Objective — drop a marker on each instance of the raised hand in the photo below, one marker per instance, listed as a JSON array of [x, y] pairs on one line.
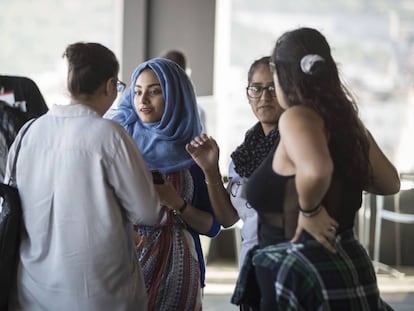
[[205, 152]]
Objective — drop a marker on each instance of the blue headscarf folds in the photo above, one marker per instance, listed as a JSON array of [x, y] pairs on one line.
[[162, 143]]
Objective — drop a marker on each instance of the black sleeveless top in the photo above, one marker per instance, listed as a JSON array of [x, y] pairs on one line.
[[275, 199], [266, 192], [266, 189]]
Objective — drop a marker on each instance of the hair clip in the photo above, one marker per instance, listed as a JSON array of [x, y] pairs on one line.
[[307, 62]]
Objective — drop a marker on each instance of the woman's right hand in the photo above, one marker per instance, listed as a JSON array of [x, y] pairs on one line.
[[204, 151]]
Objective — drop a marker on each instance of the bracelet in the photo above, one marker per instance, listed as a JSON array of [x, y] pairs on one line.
[[312, 212], [180, 210], [212, 183]]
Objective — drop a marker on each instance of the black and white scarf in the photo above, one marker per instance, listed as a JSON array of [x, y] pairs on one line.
[[256, 146]]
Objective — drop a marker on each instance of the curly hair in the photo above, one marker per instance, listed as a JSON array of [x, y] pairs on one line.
[[308, 76]]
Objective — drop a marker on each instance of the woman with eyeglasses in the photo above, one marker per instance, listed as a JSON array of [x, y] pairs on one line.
[[230, 204], [159, 111], [83, 185]]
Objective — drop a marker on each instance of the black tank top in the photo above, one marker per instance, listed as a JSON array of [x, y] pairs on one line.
[[266, 193], [275, 199], [265, 189]]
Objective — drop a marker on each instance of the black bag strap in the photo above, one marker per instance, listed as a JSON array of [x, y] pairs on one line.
[[12, 178]]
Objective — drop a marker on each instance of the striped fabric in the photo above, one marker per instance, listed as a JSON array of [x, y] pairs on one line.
[[171, 271], [169, 259], [308, 277]]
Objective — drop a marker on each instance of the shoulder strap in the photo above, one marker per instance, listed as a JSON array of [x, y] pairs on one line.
[[12, 178]]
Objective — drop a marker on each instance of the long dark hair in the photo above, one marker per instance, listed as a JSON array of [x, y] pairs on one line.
[[89, 65], [314, 81]]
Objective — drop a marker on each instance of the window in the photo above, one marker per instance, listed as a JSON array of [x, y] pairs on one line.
[[35, 34], [373, 42]]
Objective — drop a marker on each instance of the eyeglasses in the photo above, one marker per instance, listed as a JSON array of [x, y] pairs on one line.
[[120, 86], [256, 91]]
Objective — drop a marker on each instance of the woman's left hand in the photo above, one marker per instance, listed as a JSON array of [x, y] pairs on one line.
[[321, 227]]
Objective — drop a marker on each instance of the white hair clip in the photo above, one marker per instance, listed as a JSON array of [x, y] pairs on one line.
[[307, 61]]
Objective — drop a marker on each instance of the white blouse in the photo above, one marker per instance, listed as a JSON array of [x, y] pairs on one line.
[[248, 216], [83, 183]]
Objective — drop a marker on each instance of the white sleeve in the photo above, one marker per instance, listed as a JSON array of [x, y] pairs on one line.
[[132, 183]]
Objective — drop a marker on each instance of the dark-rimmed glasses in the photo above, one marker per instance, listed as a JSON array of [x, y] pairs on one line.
[[256, 91], [120, 86]]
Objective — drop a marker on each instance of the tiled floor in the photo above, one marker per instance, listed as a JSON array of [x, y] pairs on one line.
[[398, 291], [221, 277]]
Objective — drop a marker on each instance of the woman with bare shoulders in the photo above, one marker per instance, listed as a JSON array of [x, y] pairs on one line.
[[325, 159]]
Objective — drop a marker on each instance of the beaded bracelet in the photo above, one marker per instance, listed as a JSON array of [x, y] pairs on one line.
[[311, 212]]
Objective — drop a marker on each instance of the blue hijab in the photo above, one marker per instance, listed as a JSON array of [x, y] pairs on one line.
[[162, 143]]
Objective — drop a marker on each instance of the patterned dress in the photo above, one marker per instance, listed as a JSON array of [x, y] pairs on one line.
[[169, 259]]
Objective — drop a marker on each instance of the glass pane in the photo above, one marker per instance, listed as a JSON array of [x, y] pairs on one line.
[[35, 34], [372, 41]]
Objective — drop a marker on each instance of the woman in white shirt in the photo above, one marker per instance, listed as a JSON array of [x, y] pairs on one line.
[[83, 185], [231, 205]]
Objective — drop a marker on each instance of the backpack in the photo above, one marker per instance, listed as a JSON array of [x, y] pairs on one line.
[[11, 120]]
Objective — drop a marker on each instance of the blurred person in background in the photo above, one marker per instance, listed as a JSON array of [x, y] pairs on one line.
[[20, 101]]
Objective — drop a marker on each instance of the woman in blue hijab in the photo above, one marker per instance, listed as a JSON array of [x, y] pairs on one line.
[[159, 111]]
